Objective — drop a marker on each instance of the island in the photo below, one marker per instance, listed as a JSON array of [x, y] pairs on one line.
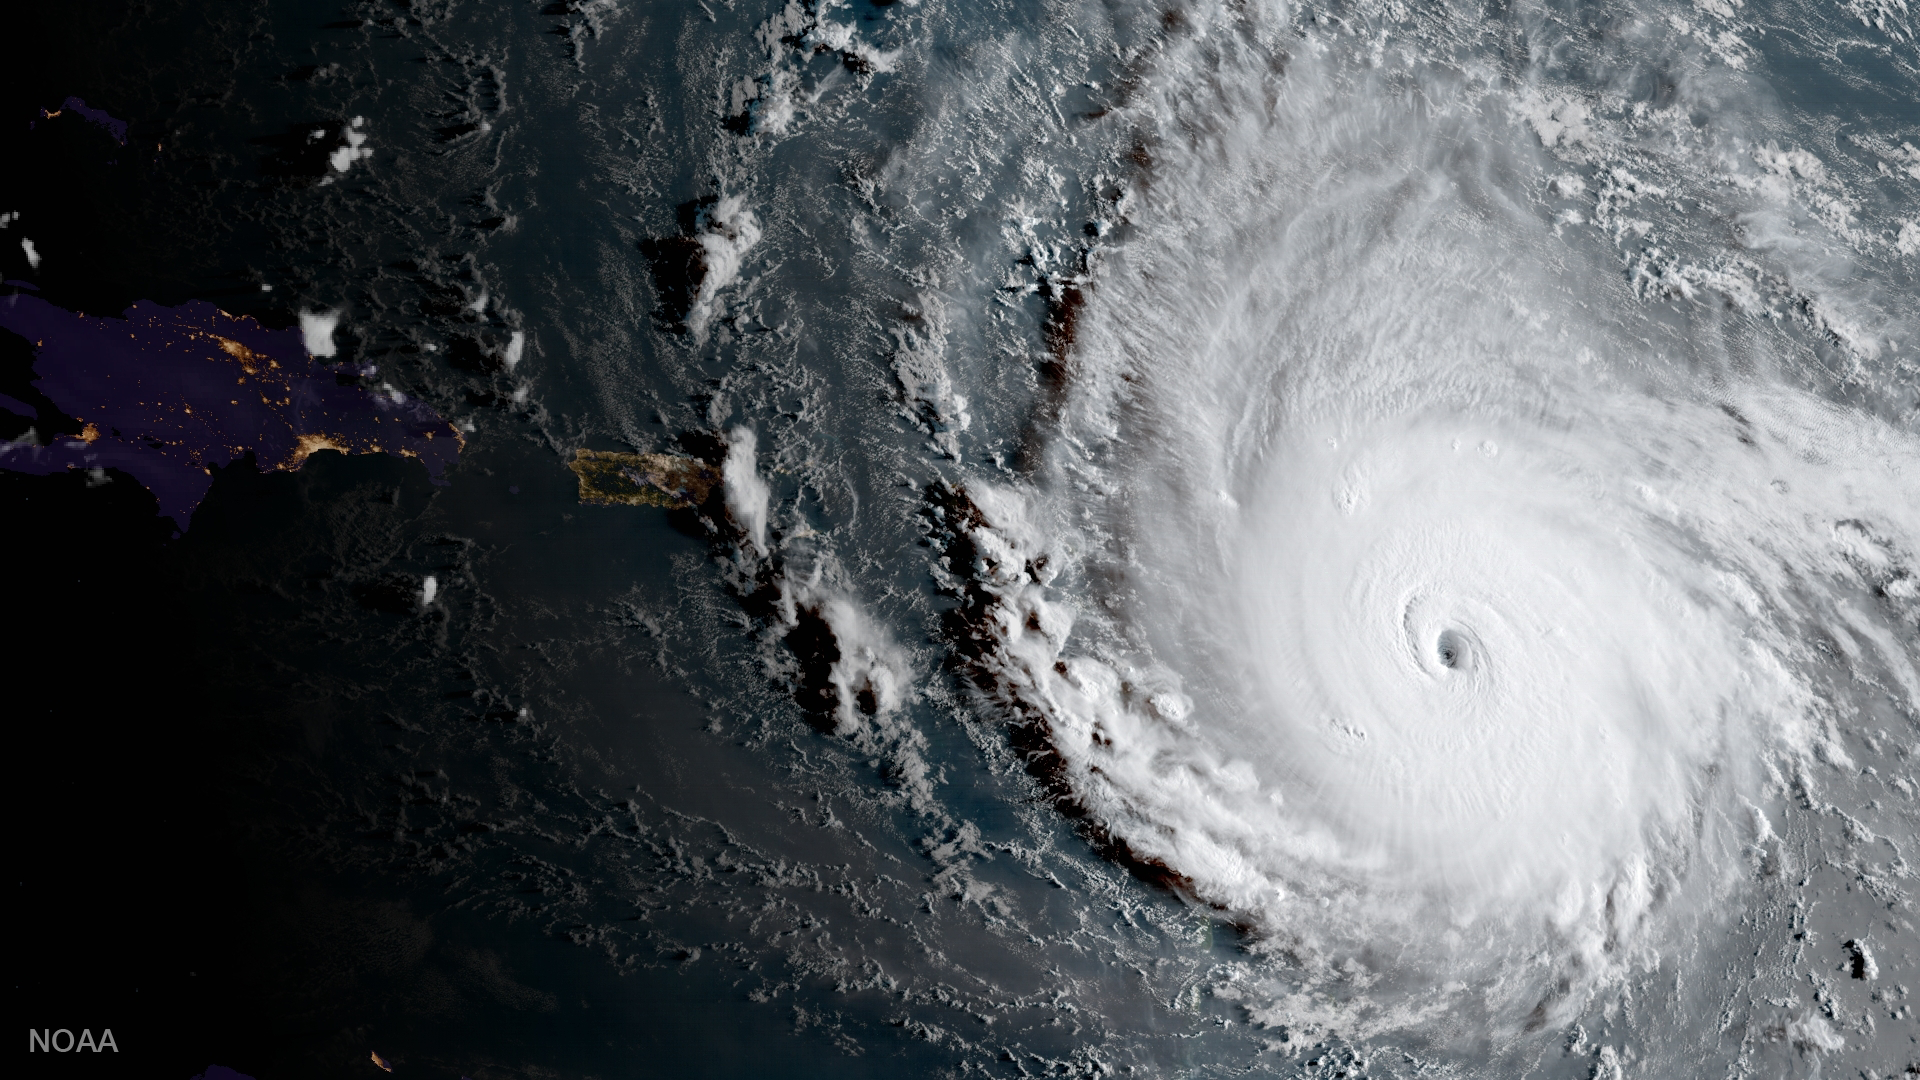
[[609, 478], [165, 395]]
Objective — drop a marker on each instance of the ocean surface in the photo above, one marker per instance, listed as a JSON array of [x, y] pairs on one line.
[[1351, 539]]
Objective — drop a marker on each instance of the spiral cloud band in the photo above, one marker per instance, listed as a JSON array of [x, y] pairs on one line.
[[1403, 584]]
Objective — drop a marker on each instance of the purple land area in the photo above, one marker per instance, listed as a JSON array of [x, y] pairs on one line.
[[114, 127], [167, 393]]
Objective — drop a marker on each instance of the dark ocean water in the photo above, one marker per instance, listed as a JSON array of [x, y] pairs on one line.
[[1321, 540]]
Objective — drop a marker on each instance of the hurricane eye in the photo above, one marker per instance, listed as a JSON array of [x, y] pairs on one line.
[[1451, 649]]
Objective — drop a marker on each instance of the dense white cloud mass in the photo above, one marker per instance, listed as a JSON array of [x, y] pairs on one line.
[[1435, 610], [316, 331], [1432, 486]]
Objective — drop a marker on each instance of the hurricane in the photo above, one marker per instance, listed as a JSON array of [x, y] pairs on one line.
[[1426, 494], [1392, 570]]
